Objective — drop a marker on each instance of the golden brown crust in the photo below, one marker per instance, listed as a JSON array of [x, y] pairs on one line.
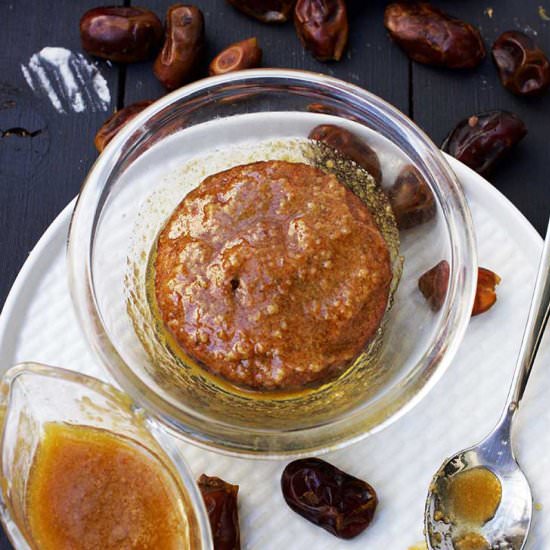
[[272, 274]]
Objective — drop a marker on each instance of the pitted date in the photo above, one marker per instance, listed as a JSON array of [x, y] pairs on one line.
[[350, 146], [481, 140], [267, 11], [430, 36], [220, 499], [486, 295], [434, 283], [523, 67], [411, 199], [245, 54], [322, 26], [183, 47], [116, 121], [122, 34], [328, 497]]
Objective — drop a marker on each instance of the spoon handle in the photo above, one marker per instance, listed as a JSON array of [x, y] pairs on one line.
[[534, 329]]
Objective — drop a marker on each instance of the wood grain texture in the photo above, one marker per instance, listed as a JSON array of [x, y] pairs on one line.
[[442, 98], [38, 175]]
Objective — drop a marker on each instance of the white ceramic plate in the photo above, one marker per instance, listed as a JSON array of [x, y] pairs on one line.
[[38, 324]]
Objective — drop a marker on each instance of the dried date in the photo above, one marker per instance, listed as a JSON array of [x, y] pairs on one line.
[[523, 67], [486, 296], [430, 36], [411, 199], [328, 497], [116, 121], [245, 54], [122, 34], [220, 499], [482, 140], [331, 110], [434, 283], [322, 26], [267, 11], [178, 60], [350, 146]]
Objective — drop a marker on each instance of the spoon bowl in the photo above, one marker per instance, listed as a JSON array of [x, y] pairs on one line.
[[509, 527]]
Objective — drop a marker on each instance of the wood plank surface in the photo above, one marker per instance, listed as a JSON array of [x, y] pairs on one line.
[[42, 167]]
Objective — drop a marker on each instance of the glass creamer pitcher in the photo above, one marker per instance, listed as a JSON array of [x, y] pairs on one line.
[[34, 395]]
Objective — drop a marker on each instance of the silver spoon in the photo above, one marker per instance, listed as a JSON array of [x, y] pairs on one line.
[[509, 527]]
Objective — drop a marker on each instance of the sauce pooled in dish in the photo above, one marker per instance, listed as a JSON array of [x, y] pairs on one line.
[[91, 489]]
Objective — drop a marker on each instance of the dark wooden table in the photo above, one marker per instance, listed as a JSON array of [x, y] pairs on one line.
[[44, 155]]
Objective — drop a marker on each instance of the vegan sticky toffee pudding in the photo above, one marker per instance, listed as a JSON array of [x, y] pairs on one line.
[[273, 275]]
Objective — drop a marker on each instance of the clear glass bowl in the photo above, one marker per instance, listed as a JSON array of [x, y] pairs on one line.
[[32, 395], [137, 182]]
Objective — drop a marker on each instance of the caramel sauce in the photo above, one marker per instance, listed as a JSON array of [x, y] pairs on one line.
[[473, 496], [472, 541], [90, 489]]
